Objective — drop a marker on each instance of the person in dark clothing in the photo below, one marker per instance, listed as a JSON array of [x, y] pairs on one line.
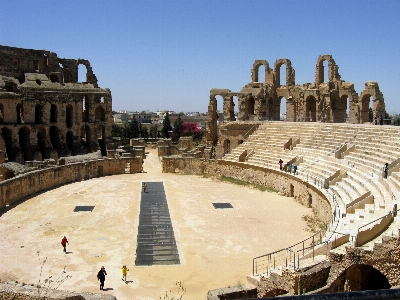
[[101, 276], [64, 243], [380, 120], [385, 170], [280, 164]]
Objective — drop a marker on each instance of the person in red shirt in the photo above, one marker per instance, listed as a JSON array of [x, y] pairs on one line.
[[64, 243]]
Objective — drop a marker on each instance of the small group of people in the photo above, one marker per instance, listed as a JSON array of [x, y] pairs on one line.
[[101, 275], [288, 167]]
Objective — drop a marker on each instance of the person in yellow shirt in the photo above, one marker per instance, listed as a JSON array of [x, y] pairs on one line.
[[124, 272]]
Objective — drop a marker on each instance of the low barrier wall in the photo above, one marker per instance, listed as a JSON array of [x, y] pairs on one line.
[[286, 183], [27, 184]]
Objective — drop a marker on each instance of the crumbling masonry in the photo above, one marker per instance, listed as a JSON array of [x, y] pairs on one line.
[[325, 100], [45, 112]]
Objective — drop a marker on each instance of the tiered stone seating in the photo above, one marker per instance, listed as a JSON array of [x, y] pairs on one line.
[[361, 168]]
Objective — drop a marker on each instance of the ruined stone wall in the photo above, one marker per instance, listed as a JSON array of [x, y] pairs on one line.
[[45, 112], [27, 184], [285, 183], [325, 100]]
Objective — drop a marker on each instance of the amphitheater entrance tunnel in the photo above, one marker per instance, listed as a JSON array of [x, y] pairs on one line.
[[360, 277]]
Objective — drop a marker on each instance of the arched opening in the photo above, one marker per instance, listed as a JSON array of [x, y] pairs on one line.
[[100, 114], [7, 138], [38, 114], [335, 108], [69, 115], [227, 146], [25, 143], [344, 109], [360, 277], [261, 73], [235, 101], [82, 73], [311, 109], [282, 109], [251, 106], [281, 80], [20, 114], [366, 103], [53, 113], [325, 67], [55, 139], [41, 142], [220, 108], [1, 113], [85, 109], [101, 141], [85, 137], [70, 142]]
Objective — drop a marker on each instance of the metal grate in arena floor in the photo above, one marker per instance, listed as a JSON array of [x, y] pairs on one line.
[[222, 205], [83, 208], [156, 243]]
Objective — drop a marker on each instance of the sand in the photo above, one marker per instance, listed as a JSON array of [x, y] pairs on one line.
[[216, 246]]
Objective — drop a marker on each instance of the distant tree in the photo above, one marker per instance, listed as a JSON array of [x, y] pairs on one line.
[[166, 127], [133, 130], [178, 127], [154, 131], [116, 131], [144, 133]]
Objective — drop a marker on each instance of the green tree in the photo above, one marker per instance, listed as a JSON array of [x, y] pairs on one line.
[[178, 127], [154, 131], [166, 126], [133, 130], [116, 131]]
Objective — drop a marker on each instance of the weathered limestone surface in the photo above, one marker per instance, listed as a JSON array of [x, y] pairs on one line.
[[45, 112]]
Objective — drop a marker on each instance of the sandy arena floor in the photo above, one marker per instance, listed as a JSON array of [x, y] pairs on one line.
[[216, 246]]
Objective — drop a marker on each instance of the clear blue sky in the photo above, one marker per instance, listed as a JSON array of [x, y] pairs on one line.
[[162, 54]]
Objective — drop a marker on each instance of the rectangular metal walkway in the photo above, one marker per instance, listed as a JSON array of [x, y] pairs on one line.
[[156, 243]]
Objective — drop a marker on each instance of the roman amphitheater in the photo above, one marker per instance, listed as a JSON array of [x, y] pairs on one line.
[[189, 233]]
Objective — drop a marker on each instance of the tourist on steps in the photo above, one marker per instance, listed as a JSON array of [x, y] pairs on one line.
[[64, 243], [101, 276]]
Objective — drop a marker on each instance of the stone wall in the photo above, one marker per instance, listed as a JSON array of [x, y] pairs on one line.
[[288, 184], [28, 184]]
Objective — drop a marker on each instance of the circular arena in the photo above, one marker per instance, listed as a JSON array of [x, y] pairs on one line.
[[216, 246]]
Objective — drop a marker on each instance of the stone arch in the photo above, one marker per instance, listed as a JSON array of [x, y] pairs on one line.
[[290, 72], [90, 76], [25, 143], [378, 105], [100, 114], [359, 277], [255, 71], [70, 142], [6, 134], [55, 139], [69, 115], [333, 72], [41, 142], [311, 109], [53, 113]]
